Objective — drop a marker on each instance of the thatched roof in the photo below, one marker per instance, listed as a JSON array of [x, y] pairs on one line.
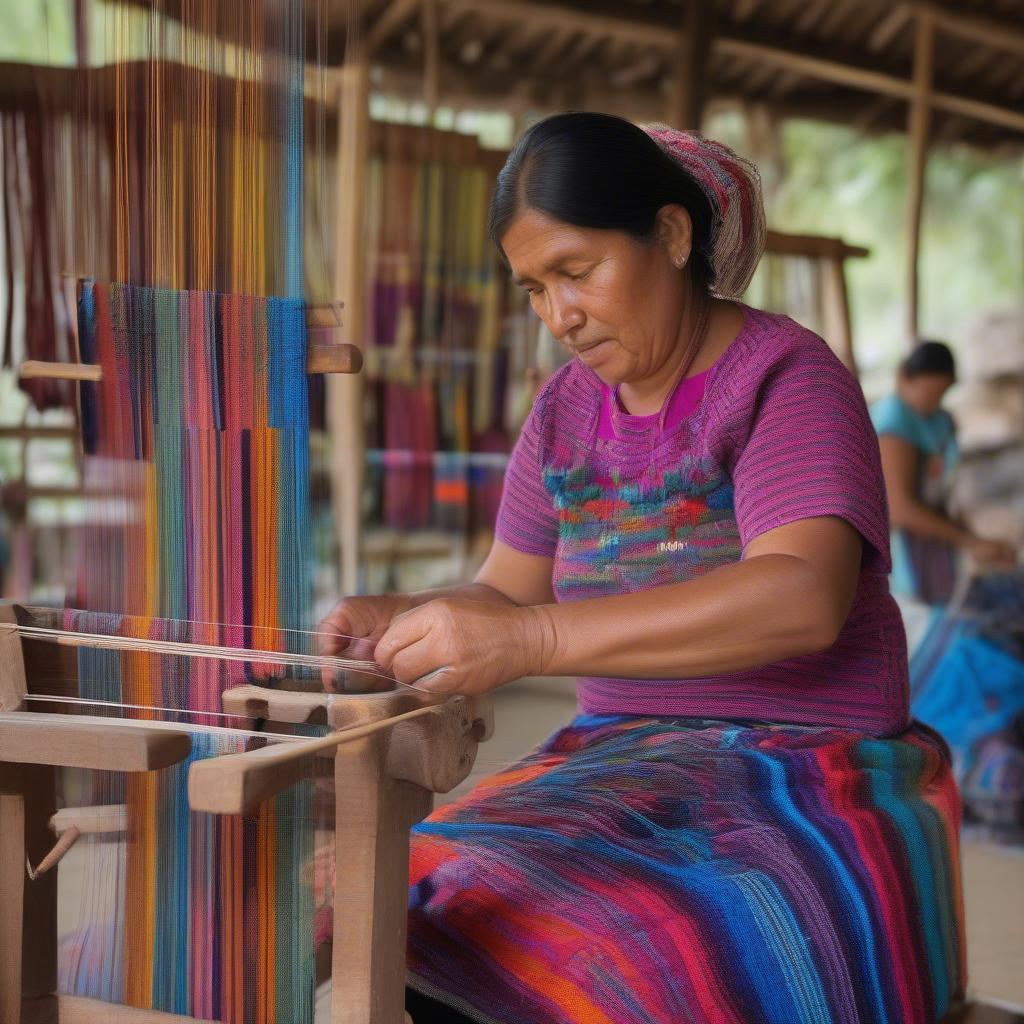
[[850, 61], [842, 60]]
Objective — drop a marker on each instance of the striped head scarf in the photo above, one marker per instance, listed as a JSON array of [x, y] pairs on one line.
[[733, 189]]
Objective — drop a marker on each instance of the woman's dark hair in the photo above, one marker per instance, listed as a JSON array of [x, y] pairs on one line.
[[599, 171], [929, 357]]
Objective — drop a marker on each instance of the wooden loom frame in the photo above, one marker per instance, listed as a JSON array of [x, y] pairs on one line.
[[390, 752]]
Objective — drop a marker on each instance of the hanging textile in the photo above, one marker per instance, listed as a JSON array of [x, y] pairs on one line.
[[436, 303], [167, 182]]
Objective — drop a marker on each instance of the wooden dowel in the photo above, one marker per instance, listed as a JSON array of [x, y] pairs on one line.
[[65, 841], [320, 359], [235, 783], [36, 369], [334, 359], [818, 246], [102, 819], [34, 433]]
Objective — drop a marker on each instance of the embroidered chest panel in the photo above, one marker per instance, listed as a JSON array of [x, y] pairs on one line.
[[620, 533]]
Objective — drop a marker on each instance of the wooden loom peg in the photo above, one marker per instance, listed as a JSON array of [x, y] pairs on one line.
[[36, 369]]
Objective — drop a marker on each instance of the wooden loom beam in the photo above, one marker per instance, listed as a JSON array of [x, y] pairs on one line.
[[73, 741], [323, 359]]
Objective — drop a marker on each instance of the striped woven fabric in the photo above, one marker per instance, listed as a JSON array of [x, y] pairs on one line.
[[198, 431], [654, 871]]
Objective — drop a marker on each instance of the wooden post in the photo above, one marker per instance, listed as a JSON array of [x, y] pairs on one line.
[[373, 816], [917, 131], [838, 329], [25, 837], [689, 93], [431, 59], [344, 400]]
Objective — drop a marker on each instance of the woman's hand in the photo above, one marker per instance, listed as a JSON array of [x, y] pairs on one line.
[[352, 630], [993, 554], [458, 645]]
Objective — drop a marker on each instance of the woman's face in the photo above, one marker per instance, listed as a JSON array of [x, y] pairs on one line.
[[617, 304], [925, 391]]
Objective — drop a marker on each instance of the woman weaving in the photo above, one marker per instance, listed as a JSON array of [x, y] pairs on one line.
[[741, 824]]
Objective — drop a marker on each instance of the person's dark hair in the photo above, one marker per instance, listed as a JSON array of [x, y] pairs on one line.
[[933, 358], [599, 171]]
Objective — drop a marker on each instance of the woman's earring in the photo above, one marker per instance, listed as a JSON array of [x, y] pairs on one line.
[[680, 262]]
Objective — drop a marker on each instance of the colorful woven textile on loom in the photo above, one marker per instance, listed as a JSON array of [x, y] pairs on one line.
[[203, 400], [688, 870], [201, 423]]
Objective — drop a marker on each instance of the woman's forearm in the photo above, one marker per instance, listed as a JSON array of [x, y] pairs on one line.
[[472, 591], [752, 613], [917, 518]]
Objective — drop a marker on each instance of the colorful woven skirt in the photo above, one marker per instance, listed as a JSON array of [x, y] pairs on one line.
[[659, 871]]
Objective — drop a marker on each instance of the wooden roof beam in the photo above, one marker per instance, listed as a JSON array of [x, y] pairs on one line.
[[626, 30], [548, 51], [666, 37], [745, 8], [389, 22], [889, 27], [870, 81], [997, 34]]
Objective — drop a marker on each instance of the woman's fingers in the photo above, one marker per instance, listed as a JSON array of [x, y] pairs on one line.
[[441, 680], [352, 629], [416, 662], [404, 631]]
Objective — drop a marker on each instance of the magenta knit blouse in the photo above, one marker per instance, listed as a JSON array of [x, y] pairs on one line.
[[778, 432]]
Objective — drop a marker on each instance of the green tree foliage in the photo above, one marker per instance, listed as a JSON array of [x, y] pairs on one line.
[[836, 182]]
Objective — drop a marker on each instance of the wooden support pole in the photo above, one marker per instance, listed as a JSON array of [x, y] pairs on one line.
[[431, 57], [345, 394], [12, 890], [28, 923], [917, 136], [838, 328], [372, 892], [689, 92]]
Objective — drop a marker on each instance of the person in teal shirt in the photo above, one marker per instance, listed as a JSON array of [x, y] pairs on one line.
[[917, 438]]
